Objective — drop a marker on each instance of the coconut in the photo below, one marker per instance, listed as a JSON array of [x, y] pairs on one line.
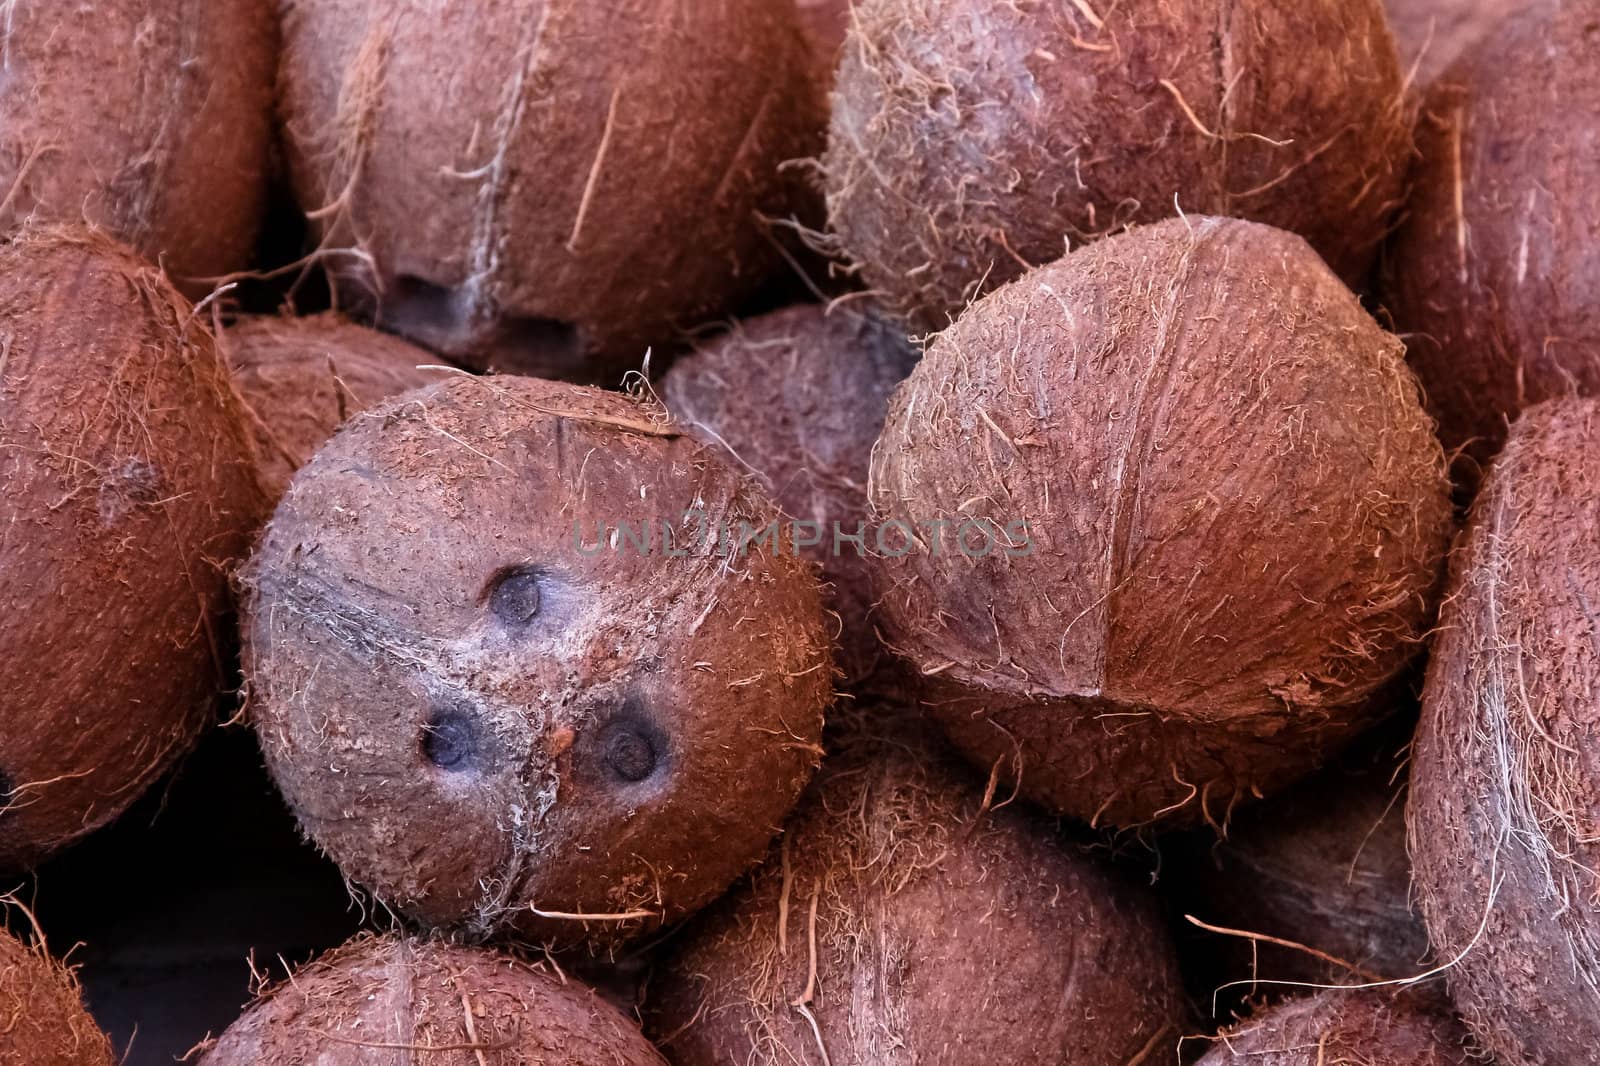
[[825, 23], [1433, 33], [526, 656], [971, 139], [1342, 1028], [545, 186], [1500, 810], [42, 1020], [153, 121], [382, 1000], [799, 396], [128, 488], [1158, 520], [302, 377], [901, 919], [1493, 277], [1319, 878]]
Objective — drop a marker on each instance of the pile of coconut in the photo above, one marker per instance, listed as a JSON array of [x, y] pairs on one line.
[[820, 532]]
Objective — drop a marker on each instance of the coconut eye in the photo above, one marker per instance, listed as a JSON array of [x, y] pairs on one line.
[[514, 600], [629, 751], [451, 741]]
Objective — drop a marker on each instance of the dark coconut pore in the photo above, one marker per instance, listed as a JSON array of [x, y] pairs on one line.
[[901, 919], [302, 377], [42, 1019], [1504, 775], [1493, 277], [1376, 1027], [1236, 510], [383, 1000], [971, 139], [799, 397], [475, 715], [550, 206], [127, 489], [150, 120]]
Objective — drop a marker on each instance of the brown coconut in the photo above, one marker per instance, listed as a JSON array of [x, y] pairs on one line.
[[394, 1001], [799, 397], [972, 139], [42, 1019], [1504, 773], [150, 120], [1319, 876], [548, 186], [128, 490], [1493, 278], [1192, 512], [901, 919], [825, 23], [1375, 1027], [487, 710], [1433, 33], [303, 377]]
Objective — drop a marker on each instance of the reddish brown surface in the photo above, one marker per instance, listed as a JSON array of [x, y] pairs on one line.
[[1505, 773], [1323, 865], [549, 186], [1237, 510], [1493, 278], [825, 23], [151, 120], [938, 932], [42, 1020], [1373, 1028], [475, 717], [127, 490], [970, 137], [388, 1001], [1432, 33], [799, 397], [302, 377]]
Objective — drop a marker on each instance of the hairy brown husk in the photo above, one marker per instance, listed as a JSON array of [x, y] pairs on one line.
[[398, 1001], [151, 120], [971, 139], [911, 924], [127, 488], [1493, 278], [627, 742], [1237, 515], [303, 377], [825, 23], [42, 1020], [1343, 1028], [1504, 776], [549, 186], [1324, 866], [1433, 33], [799, 397]]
